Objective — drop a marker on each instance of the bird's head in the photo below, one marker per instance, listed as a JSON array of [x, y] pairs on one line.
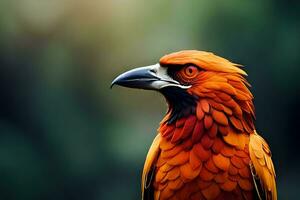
[[186, 77]]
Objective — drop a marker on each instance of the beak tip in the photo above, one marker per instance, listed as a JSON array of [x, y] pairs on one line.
[[114, 82], [111, 86]]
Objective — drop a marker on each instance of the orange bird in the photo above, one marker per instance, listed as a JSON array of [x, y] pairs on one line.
[[207, 146]]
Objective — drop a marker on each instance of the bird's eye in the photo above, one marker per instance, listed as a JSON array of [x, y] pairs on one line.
[[190, 71]]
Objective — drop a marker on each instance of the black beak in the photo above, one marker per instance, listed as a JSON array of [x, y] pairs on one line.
[[152, 77], [142, 77]]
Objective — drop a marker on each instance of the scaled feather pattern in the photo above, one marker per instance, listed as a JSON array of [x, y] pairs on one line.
[[209, 150]]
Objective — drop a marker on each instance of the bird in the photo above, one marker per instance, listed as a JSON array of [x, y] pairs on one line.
[[206, 146]]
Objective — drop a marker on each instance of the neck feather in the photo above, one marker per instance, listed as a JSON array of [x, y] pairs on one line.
[[191, 117]]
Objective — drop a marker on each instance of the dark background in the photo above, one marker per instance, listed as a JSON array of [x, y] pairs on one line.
[[65, 135]]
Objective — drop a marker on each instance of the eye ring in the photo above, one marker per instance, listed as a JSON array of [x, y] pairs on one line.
[[191, 71]]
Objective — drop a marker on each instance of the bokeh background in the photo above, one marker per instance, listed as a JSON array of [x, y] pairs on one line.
[[65, 135]]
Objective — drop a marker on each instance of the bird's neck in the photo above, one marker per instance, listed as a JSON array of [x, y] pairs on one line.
[[193, 118]]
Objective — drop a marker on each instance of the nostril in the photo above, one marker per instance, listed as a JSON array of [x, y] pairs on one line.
[[153, 71]]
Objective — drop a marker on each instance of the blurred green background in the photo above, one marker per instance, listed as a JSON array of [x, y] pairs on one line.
[[65, 135]]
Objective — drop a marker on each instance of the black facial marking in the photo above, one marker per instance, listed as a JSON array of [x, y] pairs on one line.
[[181, 102], [172, 72]]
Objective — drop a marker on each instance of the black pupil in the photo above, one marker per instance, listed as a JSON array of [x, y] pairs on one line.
[[190, 70]]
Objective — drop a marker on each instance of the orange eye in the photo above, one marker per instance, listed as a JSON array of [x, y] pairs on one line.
[[191, 71]]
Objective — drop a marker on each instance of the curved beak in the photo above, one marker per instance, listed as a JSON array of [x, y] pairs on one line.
[[152, 77]]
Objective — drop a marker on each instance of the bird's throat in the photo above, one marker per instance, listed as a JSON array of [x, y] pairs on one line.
[[180, 102]]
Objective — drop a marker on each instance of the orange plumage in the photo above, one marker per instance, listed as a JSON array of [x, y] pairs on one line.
[[209, 149]]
